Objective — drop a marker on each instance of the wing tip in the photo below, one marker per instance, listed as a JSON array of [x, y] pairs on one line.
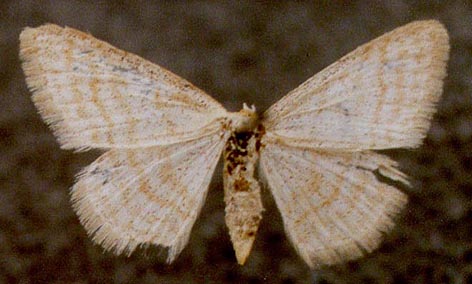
[[28, 36], [435, 35]]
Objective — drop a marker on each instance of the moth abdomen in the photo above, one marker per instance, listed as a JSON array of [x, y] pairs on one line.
[[242, 191]]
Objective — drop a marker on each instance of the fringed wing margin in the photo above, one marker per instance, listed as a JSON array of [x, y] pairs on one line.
[[138, 197], [334, 207]]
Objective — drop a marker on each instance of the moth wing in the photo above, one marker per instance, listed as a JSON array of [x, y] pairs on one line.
[[94, 95], [133, 197], [333, 206], [381, 95]]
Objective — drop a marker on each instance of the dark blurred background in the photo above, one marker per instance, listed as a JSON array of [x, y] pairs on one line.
[[237, 51]]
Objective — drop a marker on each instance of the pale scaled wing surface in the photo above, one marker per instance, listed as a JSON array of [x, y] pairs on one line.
[[133, 197], [382, 95], [333, 206], [315, 156], [94, 95]]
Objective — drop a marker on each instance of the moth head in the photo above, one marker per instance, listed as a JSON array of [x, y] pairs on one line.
[[244, 120]]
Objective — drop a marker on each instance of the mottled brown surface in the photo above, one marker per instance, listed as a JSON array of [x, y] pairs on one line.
[[237, 52], [242, 192]]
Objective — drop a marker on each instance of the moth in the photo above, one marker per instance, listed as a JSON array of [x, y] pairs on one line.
[[163, 137]]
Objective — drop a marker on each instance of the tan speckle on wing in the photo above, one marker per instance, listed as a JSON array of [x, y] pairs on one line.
[[332, 204], [96, 96], [132, 197], [315, 154], [382, 95]]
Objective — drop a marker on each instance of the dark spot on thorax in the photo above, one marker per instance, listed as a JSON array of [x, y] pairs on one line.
[[236, 151], [260, 131]]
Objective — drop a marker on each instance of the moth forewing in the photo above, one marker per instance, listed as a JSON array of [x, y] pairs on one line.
[[382, 95], [94, 95]]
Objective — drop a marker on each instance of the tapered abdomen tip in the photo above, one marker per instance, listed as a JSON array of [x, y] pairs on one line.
[[243, 248]]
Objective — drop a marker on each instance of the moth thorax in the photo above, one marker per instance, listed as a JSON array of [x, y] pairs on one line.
[[245, 120]]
